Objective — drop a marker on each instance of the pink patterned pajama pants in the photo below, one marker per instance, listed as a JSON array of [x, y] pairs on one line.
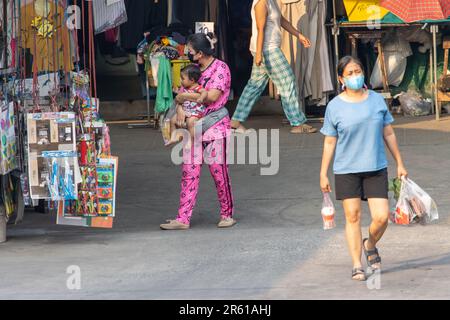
[[214, 154]]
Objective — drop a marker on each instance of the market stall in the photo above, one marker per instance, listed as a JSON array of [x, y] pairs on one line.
[[388, 15], [55, 147]]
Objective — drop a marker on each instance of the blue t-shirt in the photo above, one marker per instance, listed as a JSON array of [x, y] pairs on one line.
[[359, 128]]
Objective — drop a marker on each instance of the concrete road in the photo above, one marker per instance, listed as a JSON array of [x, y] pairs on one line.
[[277, 250]]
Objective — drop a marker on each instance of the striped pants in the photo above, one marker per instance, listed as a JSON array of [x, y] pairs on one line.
[[275, 67], [215, 154]]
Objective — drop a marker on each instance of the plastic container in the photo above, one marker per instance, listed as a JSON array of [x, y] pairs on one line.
[[328, 212]]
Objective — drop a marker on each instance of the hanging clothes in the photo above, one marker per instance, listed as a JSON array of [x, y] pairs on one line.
[[108, 16], [164, 94], [217, 12], [8, 31], [311, 66], [144, 15], [47, 36], [192, 11], [172, 12]]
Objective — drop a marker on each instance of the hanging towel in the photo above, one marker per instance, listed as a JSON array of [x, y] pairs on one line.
[[164, 95]]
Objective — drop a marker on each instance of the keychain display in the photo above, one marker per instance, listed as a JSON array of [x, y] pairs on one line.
[[46, 133], [61, 174], [25, 189]]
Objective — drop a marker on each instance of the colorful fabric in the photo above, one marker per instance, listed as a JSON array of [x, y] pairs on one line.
[[47, 55], [217, 76], [215, 152], [275, 67], [418, 10], [193, 109], [164, 95], [8, 148]]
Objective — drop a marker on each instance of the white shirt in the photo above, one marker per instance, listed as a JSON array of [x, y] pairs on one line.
[[272, 30]]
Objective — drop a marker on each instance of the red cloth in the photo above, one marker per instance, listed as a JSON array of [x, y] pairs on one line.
[[111, 35], [418, 10]]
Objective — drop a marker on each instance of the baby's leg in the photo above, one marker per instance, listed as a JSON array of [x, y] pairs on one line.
[[174, 136], [173, 123], [191, 122]]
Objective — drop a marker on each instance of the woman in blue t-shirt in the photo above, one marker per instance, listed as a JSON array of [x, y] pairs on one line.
[[357, 126]]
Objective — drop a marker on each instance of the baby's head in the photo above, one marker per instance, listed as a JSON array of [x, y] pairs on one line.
[[190, 75]]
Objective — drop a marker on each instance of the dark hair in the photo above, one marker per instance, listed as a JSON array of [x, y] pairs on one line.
[[205, 43], [345, 61], [192, 71]]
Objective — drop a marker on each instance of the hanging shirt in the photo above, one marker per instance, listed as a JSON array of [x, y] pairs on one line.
[[272, 30], [144, 15], [108, 16], [359, 128], [217, 76], [49, 54], [164, 94]]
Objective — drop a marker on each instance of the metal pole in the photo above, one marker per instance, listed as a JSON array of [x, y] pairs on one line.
[[336, 45], [433, 102], [2, 224], [149, 116], [435, 29]]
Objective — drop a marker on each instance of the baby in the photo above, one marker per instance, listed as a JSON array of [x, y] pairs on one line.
[[193, 111]]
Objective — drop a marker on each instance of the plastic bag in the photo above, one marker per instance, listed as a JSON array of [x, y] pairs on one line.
[[396, 53], [414, 205], [164, 122], [413, 104], [328, 212]]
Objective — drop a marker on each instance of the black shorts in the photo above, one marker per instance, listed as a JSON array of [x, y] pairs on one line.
[[363, 185]]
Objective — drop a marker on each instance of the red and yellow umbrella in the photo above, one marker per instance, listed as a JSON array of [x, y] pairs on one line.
[[418, 10]]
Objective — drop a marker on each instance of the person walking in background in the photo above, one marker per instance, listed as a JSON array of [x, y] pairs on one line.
[[270, 62], [357, 126]]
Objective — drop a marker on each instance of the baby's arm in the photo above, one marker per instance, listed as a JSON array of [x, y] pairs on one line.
[[203, 96]]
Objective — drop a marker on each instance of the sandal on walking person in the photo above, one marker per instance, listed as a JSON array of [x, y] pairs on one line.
[[226, 223], [374, 263], [237, 127], [174, 225], [304, 128], [358, 274]]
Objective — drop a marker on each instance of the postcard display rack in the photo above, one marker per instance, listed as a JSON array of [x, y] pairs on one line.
[[55, 149]]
